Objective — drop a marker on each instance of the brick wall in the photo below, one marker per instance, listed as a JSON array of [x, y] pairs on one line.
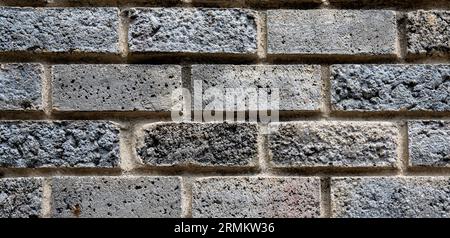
[[86, 98]]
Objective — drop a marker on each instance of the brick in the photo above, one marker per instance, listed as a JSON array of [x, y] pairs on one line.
[[332, 32], [429, 143], [337, 144], [256, 197], [390, 87], [199, 144], [20, 87], [428, 32], [21, 197], [190, 30], [114, 87], [40, 144], [260, 3], [113, 2], [103, 197], [59, 30], [390, 197], [299, 86]]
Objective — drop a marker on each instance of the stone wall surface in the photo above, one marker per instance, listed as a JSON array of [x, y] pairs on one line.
[[158, 108]]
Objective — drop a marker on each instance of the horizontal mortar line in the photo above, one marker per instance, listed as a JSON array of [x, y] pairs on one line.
[[334, 171], [54, 172], [427, 171], [153, 118], [291, 6], [220, 61], [136, 4], [390, 115], [195, 171], [119, 116], [331, 59], [311, 172]]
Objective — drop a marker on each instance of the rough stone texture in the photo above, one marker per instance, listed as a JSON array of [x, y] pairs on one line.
[[263, 3], [59, 29], [114, 87], [21, 197], [339, 144], [104, 197], [114, 2], [299, 86], [20, 86], [390, 87], [81, 144], [202, 144], [429, 143], [391, 197], [428, 32], [192, 30], [338, 32], [256, 197]]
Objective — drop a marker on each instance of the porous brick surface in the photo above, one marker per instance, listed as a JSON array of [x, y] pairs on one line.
[[201, 144], [116, 197], [337, 144], [385, 197], [224, 108], [20, 86], [89, 30], [192, 30], [21, 197], [332, 32], [79, 144], [390, 87], [115, 87], [242, 197]]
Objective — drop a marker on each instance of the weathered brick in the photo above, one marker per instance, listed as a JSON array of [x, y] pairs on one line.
[[36, 144], [390, 87], [114, 87], [116, 197], [428, 32], [390, 197], [192, 30], [299, 86], [264, 3], [429, 143], [113, 2], [339, 144], [200, 144], [21, 197], [20, 86], [256, 197], [59, 30], [337, 32]]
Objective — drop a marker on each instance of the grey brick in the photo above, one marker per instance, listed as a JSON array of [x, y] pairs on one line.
[[200, 144], [258, 3], [21, 197], [192, 30], [256, 197], [428, 32], [391, 197], [429, 143], [337, 32], [103, 197], [80, 144], [20, 86], [338, 144], [114, 87], [390, 87], [59, 30], [299, 85]]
